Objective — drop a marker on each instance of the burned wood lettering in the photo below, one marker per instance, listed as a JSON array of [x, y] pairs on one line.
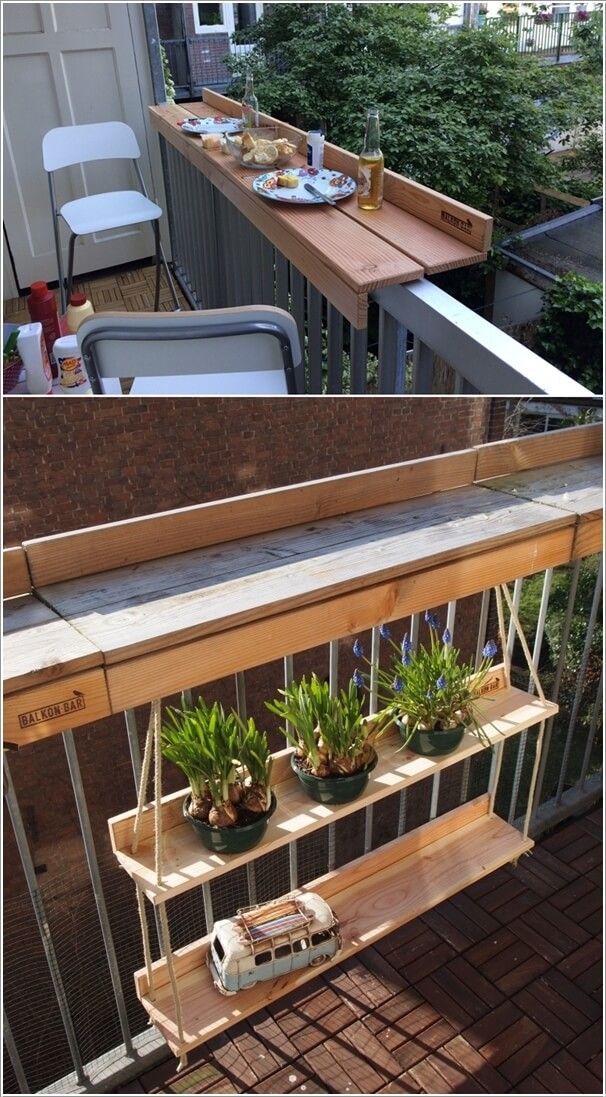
[[456, 222], [76, 703]]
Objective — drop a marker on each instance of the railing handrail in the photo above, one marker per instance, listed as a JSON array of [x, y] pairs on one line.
[[472, 345]]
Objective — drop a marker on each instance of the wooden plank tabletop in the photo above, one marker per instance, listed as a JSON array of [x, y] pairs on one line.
[[572, 485], [39, 646], [142, 608], [345, 251]]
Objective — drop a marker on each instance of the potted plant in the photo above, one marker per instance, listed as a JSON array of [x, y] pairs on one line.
[[333, 740], [228, 766], [430, 694]]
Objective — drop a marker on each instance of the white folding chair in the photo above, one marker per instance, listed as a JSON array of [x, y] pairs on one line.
[[69, 145], [249, 351]]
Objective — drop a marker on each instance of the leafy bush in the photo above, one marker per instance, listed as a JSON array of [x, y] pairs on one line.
[[569, 332], [459, 111]]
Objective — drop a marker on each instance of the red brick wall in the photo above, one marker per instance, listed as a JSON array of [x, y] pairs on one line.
[[73, 463]]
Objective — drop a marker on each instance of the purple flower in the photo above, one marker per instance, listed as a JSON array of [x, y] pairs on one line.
[[384, 632], [432, 619], [441, 682], [406, 644], [357, 679], [407, 659], [357, 649], [446, 637], [398, 684], [490, 650]]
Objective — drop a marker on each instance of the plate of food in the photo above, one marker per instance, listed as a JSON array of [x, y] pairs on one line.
[[218, 124], [261, 148], [289, 185]]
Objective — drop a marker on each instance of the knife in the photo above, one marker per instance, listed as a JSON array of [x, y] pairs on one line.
[[318, 194]]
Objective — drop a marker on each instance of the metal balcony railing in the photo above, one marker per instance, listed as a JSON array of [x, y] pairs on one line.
[[419, 339], [72, 1021]]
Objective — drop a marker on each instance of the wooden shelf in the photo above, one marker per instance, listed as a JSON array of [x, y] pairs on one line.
[[188, 864], [371, 896]]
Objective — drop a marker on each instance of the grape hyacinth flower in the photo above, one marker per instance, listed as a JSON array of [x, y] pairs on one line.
[[357, 649], [429, 694], [490, 650], [384, 632], [357, 679], [446, 637], [406, 644], [397, 684], [406, 659], [432, 619], [441, 682]]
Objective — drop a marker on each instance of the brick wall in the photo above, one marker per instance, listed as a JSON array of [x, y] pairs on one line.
[[70, 464]]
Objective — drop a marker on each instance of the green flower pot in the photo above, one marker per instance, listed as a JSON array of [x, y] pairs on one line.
[[230, 839], [431, 744], [333, 790]]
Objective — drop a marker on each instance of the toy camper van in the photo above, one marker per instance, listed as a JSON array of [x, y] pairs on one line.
[[272, 939]]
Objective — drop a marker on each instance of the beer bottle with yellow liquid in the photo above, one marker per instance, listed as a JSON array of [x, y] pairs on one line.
[[371, 166]]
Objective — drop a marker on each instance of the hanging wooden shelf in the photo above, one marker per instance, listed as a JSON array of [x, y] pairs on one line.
[[371, 897], [188, 864]]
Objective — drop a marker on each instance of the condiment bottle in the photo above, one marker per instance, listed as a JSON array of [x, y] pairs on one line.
[[371, 166], [250, 104], [42, 308], [32, 349], [73, 378], [315, 149], [79, 309]]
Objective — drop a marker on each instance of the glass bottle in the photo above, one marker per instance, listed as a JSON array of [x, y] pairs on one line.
[[371, 166], [250, 104]]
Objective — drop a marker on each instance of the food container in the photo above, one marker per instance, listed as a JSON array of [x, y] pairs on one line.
[[261, 149]]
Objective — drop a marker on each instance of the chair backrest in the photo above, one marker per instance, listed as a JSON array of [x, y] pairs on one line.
[[69, 145], [253, 350]]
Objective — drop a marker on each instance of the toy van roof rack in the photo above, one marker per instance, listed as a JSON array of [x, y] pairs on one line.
[[266, 921]]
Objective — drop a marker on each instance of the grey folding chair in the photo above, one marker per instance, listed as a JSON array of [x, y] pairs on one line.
[[249, 351], [69, 145]]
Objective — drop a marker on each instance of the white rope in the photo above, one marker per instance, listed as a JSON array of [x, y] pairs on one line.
[[503, 636], [145, 937], [171, 972], [149, 738], [533, 779], [157, 723], [525, 648]]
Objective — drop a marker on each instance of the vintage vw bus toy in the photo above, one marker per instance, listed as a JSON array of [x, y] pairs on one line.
[[272, 939]]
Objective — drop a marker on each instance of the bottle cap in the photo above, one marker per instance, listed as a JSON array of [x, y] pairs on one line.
[[38, 289], [77, 299]]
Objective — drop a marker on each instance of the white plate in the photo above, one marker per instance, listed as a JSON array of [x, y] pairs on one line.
[[331, 183], [219, 124]]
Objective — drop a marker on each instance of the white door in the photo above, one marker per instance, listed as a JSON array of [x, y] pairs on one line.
[[65, 64]]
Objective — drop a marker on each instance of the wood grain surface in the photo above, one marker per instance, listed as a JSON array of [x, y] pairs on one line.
[[15, 572], [39, 646]]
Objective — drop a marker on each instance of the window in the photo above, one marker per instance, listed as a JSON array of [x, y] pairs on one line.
[[218, 949], [262, 958], [301, 945], [321, 937], [213, 18], [282, 950]]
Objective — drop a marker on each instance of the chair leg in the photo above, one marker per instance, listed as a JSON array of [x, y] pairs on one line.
[[70, 266], [156, 228], [57, 235], [170, 281]]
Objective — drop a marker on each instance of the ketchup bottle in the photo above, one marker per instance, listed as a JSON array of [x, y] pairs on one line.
[[42, 308]]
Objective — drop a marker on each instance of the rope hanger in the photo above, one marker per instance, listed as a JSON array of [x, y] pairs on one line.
[[153, 743]]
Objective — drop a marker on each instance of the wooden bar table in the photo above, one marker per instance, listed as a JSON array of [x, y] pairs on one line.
[[345, 252]]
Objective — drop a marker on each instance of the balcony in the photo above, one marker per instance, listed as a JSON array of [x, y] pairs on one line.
[[457, 985], [369, 317]]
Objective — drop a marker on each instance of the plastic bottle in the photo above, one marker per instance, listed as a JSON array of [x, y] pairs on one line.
[[32, 349], [73, 378], [79, 309], [315, 149], [42, 308]]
